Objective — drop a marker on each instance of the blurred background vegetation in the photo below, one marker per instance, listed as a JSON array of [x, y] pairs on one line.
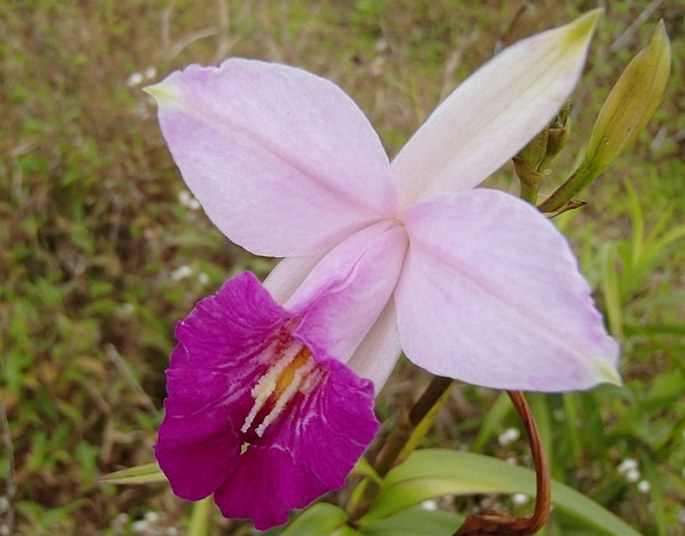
[[102, 249]]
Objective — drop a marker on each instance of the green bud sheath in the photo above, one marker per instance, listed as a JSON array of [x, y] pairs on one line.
[[631, 102], [627, 110]]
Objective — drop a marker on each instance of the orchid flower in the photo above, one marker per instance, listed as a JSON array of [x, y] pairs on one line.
[[271, 387]]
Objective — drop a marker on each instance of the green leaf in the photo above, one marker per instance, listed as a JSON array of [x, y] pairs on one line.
[[666, 388], [364, 468], [431, 473], [611, 289], [141, 474], [631, 102], [342, 531], [493, 419], [657, 506], [414, 522], [572, 427], [322, 518]]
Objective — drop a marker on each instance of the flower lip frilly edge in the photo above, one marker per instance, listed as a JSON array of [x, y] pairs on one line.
[[224, 432], [271, 386]]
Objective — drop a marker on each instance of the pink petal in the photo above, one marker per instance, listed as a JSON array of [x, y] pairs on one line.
[[262, 440], [491, 294], [288, 275], [376, 356], [309, 454], [210, 367], [494, 113], [346, 291], [194, 429], [283, 162]]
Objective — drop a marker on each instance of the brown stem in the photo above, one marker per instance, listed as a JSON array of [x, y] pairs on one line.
[[578, 180], [428, 399], [500, 523], [388, 456], [543, 488]]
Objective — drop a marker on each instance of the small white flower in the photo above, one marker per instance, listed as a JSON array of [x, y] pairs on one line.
[[203, 278], [134, 79], [152, 517], [150, 72], [139, 527], [643, 486], [519, 499], [182, 272], [627, 465], [509, 436], [632, 475], [429, 505], [184, 197], [128, 308]]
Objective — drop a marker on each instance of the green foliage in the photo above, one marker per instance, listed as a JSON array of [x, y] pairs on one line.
[[320, 519], [142, 474], [432, 473], [92, 234], [414, 522]]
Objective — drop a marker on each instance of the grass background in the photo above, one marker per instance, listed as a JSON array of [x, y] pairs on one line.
[[94, 228]]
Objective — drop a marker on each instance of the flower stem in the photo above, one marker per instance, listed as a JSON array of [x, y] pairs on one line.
[[411, 426], [578, 180], [199, 520], [529, 192], [529, 180], [498, 523]]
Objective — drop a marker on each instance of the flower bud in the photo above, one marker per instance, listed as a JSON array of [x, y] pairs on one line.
[[627, 110], [557, 135], [631, 102], [531, 161]]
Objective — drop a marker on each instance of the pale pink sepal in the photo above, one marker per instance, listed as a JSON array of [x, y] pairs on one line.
[[345, 293], [491, 294], [282, 161], [494, 113], [285, 278], [378, 353]]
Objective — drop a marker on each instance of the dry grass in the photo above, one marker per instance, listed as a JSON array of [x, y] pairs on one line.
[[91, 228]]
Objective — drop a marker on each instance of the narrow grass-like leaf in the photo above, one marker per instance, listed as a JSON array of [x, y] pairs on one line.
[[345, 530], [322, 518], [364, 468], [414, 522], [434, 472], [657, 512], [141, 474], [492, 421], [539, 405], [637, 219], [611, 289], [666, 389], [572, 427]]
